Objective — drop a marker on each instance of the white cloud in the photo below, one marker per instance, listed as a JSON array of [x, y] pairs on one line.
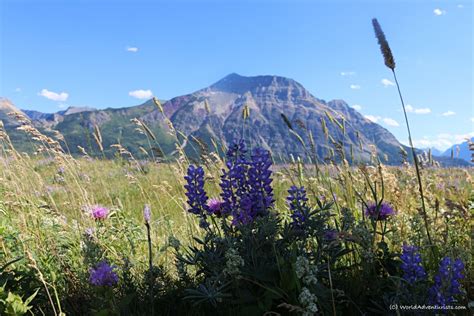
[[422, 111], [347, 73], [460, 6], [386, 120], [439, 12], [141, 94], [355, 86], [54, 95], [372, 118], [411, 109], [132, 49], [357, 107], [18, 90], [472, 119], [387, 82], [442, 141], [390, 122], [449, 113]]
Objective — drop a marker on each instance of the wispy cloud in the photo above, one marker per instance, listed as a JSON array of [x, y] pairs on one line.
[[347, 73], [357, 107], [472, 119], [439, 12], [386, 120], [442, 141], [141, 94], [372, 118], [355, 86], [132, 49], [390, 122], [449, 113], [460, 6], [411, 109], [387, 83], [18, 90], [54, 95]]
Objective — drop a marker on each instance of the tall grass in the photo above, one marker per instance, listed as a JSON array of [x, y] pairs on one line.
[[390, 63]]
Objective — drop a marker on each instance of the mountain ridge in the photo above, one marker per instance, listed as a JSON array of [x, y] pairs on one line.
[[460, 151], [214, 115]]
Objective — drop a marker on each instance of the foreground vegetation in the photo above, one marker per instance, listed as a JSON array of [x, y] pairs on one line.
[[322, 248]]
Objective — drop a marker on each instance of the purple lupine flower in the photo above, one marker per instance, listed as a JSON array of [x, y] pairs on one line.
[[197, 197], [236, 151], [246, 185], [233, 185], [103, 275], [379, 213], [411, 266], [297, 201], [215, 206], [446, 282], [147, 213], [260, 181], [99, 212]]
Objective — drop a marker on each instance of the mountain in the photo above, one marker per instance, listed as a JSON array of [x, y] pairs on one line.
[[280, 115], [20, 139], [460, 151], [267, 97], [434, 151], [7, 107]]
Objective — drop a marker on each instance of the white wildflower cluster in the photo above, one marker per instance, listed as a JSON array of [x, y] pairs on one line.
[[305, 271], [308, 300], [233, 262]]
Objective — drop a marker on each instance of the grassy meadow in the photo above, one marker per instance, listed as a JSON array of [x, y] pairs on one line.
[[46, 247]]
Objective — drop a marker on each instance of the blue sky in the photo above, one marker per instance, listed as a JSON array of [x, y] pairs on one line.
[[55, 54]]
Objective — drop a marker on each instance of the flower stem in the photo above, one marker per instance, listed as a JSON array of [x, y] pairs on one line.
[[150, 262], [415, 161]]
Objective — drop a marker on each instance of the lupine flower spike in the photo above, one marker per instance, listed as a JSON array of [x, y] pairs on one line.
[[447, 284], [197, 197], [411, 266], [246, 185], [299, 209]]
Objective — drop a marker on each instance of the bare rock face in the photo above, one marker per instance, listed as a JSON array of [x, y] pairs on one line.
[[216, 113]]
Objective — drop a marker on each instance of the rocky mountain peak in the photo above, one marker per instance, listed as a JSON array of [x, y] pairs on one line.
[[7, 106], [268, 84]]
